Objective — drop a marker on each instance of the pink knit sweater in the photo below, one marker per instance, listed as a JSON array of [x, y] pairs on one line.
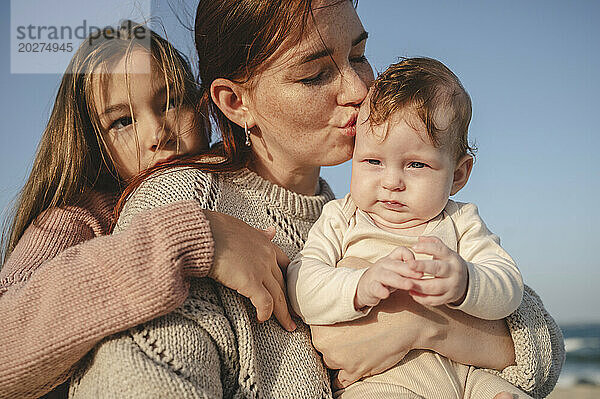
[[68, 284]]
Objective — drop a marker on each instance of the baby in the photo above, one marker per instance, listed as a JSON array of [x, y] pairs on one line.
[[411, 154]]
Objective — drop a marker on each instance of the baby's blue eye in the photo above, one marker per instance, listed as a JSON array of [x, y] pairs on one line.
[[374, 162], [417, 165]]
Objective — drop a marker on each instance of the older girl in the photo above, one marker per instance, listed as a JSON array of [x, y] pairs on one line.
[[283, 79]]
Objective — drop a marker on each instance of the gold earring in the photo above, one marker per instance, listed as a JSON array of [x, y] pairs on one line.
[[248, 142]]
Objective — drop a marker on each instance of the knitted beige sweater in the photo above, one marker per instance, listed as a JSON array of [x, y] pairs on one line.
[[213, 347]]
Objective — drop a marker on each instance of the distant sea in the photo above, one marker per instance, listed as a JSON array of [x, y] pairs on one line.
[[582, 344]]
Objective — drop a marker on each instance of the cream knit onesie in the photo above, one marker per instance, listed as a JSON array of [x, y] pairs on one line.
[[321, 293]]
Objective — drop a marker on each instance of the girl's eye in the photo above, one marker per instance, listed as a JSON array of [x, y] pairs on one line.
[[417, 165], [121, 123], [173, 103], [375, 162]]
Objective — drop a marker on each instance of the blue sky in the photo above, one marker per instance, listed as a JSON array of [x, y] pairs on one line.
[[531, 70]]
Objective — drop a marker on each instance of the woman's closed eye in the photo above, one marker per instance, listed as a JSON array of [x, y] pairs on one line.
[[318, 79], [359, 60]]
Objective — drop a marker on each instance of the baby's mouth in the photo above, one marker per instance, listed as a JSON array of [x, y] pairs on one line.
[[393, 205]]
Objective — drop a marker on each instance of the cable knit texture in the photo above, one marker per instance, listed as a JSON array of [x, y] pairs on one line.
[[213, 346], [67, 285], [539, 348]]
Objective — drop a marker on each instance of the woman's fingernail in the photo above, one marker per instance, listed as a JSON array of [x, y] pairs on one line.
[[292, 327]]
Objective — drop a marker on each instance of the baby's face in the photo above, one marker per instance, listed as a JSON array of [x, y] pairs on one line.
[[403, 181]]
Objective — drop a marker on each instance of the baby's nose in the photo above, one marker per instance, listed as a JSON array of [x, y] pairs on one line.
[[393, 181]]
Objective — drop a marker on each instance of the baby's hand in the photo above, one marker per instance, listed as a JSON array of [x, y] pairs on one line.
[[448, 267], [386, 276]]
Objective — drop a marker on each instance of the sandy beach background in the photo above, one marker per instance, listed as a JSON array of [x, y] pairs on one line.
[[576, 392]]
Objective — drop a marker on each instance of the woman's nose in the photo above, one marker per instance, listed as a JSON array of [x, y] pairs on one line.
[[353, 88]]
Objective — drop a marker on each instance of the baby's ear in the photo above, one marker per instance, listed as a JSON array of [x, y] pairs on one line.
[[462, 171]]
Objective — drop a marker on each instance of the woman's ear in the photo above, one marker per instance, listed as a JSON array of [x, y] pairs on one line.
[[229, 97], [462, 171]]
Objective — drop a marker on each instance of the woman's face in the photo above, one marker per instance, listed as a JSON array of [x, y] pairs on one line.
[[305, 103]]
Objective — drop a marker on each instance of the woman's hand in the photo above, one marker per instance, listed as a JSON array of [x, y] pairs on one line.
[[372, 344], [247, 261]]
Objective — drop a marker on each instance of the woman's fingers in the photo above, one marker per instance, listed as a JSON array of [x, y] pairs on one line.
[[344, 379], [269, 299], [282, 259], [270, 232], [280, 306], [261, 299]]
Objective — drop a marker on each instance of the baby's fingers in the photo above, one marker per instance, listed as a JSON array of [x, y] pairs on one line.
[[395, 280], [402, 253], [432, 246], [434, 267], [428, 300], [430, 287], [407, 270]]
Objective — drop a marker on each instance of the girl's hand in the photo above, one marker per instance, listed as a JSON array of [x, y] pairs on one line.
[[384, 277], [247, 261], [448, 267]]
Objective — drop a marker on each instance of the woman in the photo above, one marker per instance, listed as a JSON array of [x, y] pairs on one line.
[[283, 80]]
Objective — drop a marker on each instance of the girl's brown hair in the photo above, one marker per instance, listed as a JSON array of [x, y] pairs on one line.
[[71, 158], [235, 40]]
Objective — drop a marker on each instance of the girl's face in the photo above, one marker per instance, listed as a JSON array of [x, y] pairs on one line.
[[305, 103], [141, 126]]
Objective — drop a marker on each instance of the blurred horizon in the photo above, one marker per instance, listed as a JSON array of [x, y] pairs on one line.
[[531, 69]]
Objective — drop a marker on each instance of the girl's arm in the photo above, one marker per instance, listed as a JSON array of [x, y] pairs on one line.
[[59, 295], [380, 340]]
